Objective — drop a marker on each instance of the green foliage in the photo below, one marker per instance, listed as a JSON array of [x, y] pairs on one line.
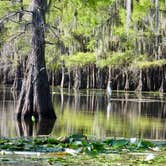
[[80, 59], [151, 64], [23, 46], [88, 26], [141, 9], [52, 54], [91, 45], [7, 6], [117, 59]]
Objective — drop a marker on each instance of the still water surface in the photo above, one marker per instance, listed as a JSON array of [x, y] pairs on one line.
[[91, 113]]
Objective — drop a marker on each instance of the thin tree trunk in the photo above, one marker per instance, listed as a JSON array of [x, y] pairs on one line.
[[139, 87], [109, 74], [156, 28], [63, 75], [98, 78], [62, 100], [109, 88], [69, 83], [53, 79], [88, 78], [77, 79], [126, 81], [35, 97], [128, 18], [17, 79], [148, 79], [93, 76], [162, 81]]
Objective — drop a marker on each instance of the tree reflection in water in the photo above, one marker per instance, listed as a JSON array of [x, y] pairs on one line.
[[29, 128], [127, 115], [109, 109], [25, 128]]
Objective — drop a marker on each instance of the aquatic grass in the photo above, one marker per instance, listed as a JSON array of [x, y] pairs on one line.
[[77, 141], [82, 150]]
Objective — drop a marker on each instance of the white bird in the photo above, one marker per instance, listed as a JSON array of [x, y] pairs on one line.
[[109, 89]]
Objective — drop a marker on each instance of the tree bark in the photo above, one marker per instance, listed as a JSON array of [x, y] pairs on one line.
[[126, 81], [77, 79], [93, 76], [128, 18], [88, 78], [161, 89], [69, 82], [109, 74], [17, 79], [139, 87], [63, 75], [156, 28], [35, 97]]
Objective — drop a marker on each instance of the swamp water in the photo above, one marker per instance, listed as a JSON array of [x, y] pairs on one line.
[[91, 113]]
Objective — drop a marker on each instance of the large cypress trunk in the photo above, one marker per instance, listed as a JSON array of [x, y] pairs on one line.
[[35, 98]]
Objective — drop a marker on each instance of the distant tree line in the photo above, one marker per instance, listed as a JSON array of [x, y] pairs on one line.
[[89, 43]]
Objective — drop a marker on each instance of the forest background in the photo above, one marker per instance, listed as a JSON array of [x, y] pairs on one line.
[[89, 43]]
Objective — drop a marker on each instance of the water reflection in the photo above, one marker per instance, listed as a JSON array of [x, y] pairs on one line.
[[25, 128], [41, 127], [126, 115], [44, 126], [109, 109], [89, 112]]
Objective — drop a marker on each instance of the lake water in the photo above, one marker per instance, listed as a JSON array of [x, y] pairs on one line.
[[91, 113]]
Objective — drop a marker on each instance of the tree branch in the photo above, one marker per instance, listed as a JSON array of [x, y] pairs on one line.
[[11, 15], [50, 43], [48, 5], [17, 36], [162, 10]]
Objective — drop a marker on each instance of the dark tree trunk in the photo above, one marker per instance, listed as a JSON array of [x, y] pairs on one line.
[[162, 80], [148, 79], [93, 76], [35, 97], [99, 78], [77, 79], [126, 81], [88, 78]]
